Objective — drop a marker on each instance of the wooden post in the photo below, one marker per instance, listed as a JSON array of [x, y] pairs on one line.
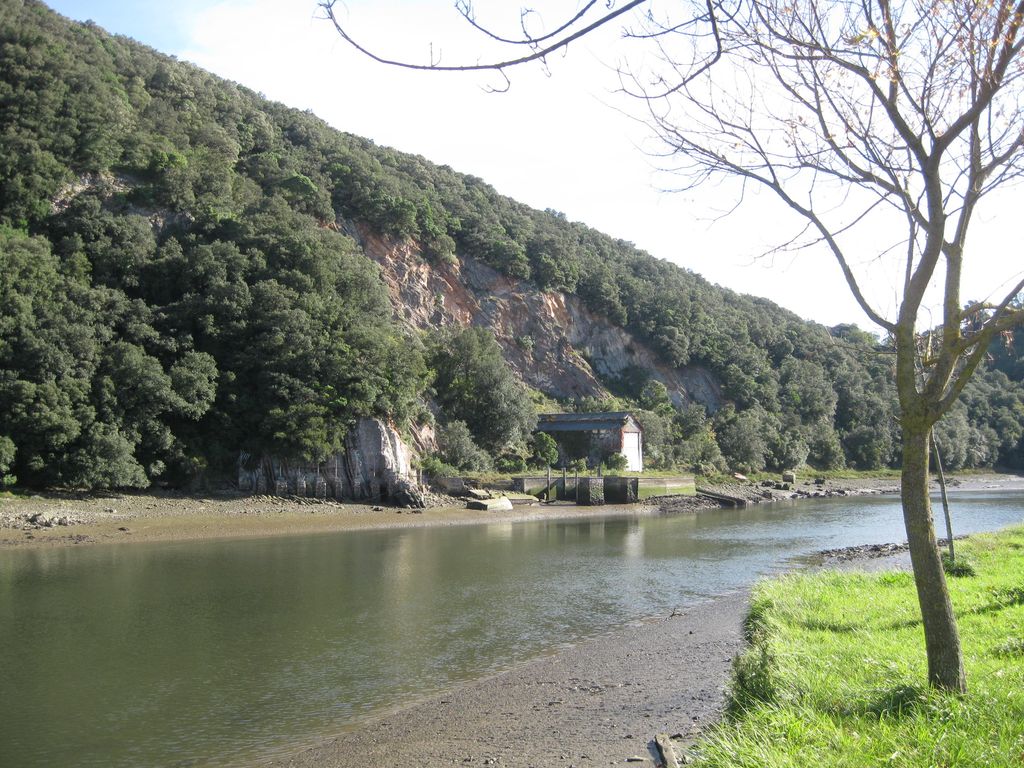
[[945, 499]]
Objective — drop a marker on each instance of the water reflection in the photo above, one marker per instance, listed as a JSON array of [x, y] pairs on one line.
[[219, 652], [633, 543]]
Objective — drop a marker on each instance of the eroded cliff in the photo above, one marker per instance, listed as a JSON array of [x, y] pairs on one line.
[[550, 339]]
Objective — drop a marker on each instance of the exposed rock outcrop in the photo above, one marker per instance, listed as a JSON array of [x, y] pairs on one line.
[[551, 339], [375, 465], [111, 185]]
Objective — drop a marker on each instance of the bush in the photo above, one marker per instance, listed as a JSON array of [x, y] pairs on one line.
[[545, 450], [433, 466], [616, 462], [958, 567], [456, 448], [510, 463], [7, 451]]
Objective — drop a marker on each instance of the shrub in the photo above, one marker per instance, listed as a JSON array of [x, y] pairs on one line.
[[434, 467], [510, 463], [456, 448], [958, 567], [545, 450], [616, 462]]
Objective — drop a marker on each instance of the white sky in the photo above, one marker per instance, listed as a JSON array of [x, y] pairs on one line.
[[561, 141]]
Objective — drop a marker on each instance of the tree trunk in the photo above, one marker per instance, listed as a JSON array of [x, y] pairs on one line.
[[942, 640]]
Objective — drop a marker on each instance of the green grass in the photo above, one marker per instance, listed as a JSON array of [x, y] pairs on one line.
[[835, 673], [645, 492], [849, 474], [809, 473]]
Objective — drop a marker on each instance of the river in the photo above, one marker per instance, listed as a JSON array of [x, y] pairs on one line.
[[221, 652]]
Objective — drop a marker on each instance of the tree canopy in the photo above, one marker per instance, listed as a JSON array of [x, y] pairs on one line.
[[176, 287]]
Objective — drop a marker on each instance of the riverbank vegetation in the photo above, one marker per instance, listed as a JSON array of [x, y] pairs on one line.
[[833, 672], [177, 285]]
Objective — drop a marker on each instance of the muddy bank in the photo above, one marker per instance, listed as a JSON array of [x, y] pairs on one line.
[[65, 519], [597, 703]]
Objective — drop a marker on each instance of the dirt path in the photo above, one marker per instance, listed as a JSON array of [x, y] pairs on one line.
[[597, 703]]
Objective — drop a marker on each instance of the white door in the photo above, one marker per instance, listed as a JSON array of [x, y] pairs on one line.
[[632, 450]]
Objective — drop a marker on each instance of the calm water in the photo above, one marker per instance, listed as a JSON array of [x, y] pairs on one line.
[[216, 653]]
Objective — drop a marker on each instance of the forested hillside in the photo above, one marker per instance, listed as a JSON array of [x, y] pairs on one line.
[[177, 285]]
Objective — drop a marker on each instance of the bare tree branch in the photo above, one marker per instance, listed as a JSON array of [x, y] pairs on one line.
[[558, 43], [465, 9]]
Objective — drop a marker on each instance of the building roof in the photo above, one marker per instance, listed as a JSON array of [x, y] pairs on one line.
[[585, 422]]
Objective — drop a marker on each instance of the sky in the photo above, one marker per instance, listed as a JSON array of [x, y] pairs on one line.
[[560, 139]]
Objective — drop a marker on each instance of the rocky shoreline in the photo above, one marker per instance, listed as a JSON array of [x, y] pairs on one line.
[[771, 491]]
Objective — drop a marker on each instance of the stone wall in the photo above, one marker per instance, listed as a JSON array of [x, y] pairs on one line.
[[621, 490], [591, 491]]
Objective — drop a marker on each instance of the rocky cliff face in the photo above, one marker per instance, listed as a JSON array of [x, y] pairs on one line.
[[376, 465], [552, 340]]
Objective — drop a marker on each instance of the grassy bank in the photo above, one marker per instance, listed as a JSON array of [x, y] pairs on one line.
[[835, 671]]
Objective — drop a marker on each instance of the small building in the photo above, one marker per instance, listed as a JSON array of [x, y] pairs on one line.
[[595, 436]]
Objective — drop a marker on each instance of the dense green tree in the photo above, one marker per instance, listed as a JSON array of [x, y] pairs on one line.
[[654, 397], [457, 449], [8, 450], [167, 229], [695, 445], [745, 438], [475, 385], [543, 450]]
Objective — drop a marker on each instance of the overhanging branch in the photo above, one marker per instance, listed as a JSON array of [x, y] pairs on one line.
[[558, 43]]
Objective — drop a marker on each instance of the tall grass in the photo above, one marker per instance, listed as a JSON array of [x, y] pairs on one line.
[[835, 672]]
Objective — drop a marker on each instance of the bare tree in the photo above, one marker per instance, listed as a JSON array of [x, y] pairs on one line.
[[861, 116], [512, 50], [867, 116]]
